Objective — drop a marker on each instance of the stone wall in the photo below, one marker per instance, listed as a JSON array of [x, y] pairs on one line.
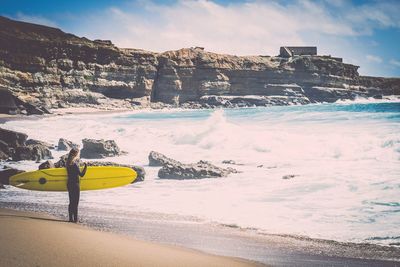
[[289, 51]]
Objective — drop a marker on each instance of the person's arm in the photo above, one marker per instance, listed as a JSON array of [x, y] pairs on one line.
[[81, 174]]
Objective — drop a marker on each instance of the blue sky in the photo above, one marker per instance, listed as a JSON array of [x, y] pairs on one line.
[[365, 33]]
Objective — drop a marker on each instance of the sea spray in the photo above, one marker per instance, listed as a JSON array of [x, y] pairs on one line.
[[343, 157]]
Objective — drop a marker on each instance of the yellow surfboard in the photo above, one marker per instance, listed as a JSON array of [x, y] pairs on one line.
[[96, 177]]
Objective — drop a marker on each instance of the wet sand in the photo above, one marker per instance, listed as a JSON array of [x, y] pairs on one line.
[[25, 244], [229, 241], [63, 112], [32, 239]]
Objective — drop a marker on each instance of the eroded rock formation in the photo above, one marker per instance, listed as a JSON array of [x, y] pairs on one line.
[[64, 144], [16, 146], [173, 169], [98, 149], [45, 68], [158, 159]]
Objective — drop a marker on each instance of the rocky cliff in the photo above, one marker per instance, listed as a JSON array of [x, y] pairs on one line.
[[45, 68]]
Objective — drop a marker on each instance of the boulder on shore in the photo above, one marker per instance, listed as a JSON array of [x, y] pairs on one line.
[[98, 149], [5, 151], [37, 142], [7, 102], [32, 152], [64, 144], [30, 109], [12, 138], [16, 146]]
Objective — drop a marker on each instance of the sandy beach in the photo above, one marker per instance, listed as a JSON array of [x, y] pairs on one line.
[[62, 112], [200, 133], [183, 237], [31, 239]]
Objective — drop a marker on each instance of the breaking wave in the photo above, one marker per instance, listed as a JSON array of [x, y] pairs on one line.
[[342, 160]]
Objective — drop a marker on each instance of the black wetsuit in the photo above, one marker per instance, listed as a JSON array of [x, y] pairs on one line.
[[74, 190]]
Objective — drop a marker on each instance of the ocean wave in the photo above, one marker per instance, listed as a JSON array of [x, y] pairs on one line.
[[342, 161], [370, 100]]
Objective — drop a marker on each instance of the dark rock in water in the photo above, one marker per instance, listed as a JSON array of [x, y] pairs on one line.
[[377, 97], [6, 173], [231, 162], [48, 164], [173, 169], [12, 139], [289, 176], [37, 142], [158, 159], [64, 144], [15, 145], [62, 162], [98, 149], [2, 186], [5, 151], [202, 169], [141, 173], [31, 152], [3, 156]]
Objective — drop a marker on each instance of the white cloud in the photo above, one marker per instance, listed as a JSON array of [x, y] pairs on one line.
[[256, 27], [35, 19], [250, 27], [395, 62], [383, 14], [375, 59]]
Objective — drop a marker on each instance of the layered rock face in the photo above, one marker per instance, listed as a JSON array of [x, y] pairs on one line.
[[44, 65], [48, 68], [98, 149], [190, 74], [16, 146]]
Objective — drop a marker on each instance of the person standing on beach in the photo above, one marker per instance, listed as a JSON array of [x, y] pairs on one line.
[[73, 183]]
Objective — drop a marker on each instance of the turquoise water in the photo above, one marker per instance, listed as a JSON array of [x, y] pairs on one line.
[[390, 111]]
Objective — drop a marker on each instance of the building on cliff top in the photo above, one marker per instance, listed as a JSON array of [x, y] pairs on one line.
[[290, 51]]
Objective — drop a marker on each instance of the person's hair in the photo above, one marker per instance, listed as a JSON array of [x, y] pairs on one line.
[[73, 154]]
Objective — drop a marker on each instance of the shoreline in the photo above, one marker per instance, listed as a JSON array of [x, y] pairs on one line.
[[277, 246], [75, 245], [102, 111], [217, 239], [61, 112]]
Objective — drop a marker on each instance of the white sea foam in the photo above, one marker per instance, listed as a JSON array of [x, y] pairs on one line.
[[365, 100], [346, 166]]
